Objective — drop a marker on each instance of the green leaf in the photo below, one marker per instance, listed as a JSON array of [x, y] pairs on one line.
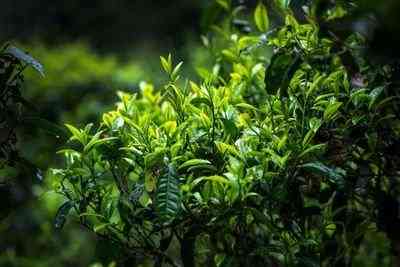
[[204, 73], [95, 141], [330, 229], [175, 72], [225, 4], [21, 55], [257, 69], [374, 95], [214, 178], [230, 128], [277, 159], [334, 175], [100, 227], [316, 84], [145, 199], [331, 110], [168, 197], [226, 148], [313, 149], [261, 17], [314, 125], [166, 63], [229, 55], [76, 134], [62, 214], [247, 106], [308, 137], [149, 182], [284, 3], [201, 100], [194, 162]]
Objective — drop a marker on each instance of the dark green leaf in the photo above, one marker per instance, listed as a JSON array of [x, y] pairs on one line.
[[21, 55], [280, 71], [62, 214], [200, 100], [168, 195], [334, 175]]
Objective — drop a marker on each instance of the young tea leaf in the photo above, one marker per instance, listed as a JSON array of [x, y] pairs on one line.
[[331, 110], [166, 64], [261, 17]]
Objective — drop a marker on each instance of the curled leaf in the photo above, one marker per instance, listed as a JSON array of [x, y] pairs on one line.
[[21, 55]]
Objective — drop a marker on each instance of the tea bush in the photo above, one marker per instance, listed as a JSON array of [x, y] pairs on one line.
[[281, 154]]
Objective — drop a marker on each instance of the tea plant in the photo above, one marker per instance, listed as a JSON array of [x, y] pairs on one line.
[[285, 160]]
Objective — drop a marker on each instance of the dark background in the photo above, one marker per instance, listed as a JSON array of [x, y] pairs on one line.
[[104, 24]]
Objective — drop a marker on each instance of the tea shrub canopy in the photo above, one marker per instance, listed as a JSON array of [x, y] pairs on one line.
[[282, 153]]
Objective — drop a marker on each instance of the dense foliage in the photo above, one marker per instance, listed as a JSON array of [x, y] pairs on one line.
[[281, 153], [283, 164]]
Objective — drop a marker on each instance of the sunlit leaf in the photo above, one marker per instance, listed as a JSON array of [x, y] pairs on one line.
[[261, 17], [331, 110], [194, 162], [166, 64]]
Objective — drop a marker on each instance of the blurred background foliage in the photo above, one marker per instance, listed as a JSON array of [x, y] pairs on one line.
[[91, 49]]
